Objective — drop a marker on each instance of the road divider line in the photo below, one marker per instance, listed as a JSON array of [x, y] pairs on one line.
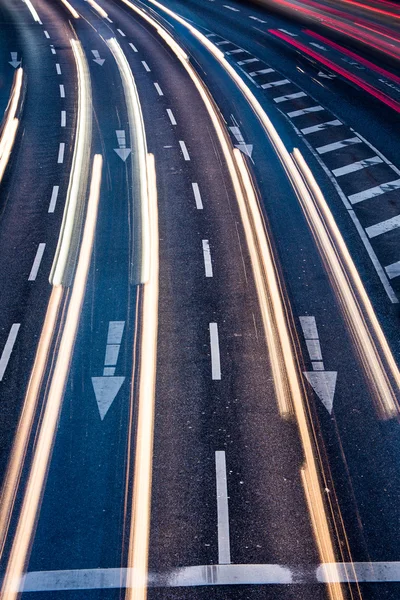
[[197, 196], [46, 33], [53, 199], [63, 118], [61, 150], [133, 47], [215, 355], [36, 262], [184, 150], [357, 166], [62, 90], [171, 116], [58, 69], [8, 348], [121, 32], [224, 549], [159, 90], [207, 258], [146, 66], [68, 240]]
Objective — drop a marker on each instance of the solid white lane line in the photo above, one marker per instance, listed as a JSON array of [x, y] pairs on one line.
[[8, 348], [261, 72], [247, 61], [383, 227], [36, 262], [53, 198], [58, 69], [266, 86], [231, 8], [207, 258], [304, 111], [171, 116], [290, 97], [321, 127], [61, 150], [159, 90], [197, 196], [338, 145], [121, 33], [133, 47], [46, 33], [184, 150], [62, 90], [357, 166], [215, 357], [63, 118], [378, 190], [393, 270], [309, 327], [146, 66], [224, 550]]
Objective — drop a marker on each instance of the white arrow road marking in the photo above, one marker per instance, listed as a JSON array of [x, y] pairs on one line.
[[8, 348], [123, 152], [241, 144], [107, 387], [14, 62], [324, 385], [97, 59], [323, 382], [245, 148], [106, 390]]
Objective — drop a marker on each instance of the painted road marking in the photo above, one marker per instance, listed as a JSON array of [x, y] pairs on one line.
[[107, 387], [231, 8], [223, 43], [53, 198], [133, 47], [266, 86], [215, 357], [58, 69], [146, 66], [63, 118], [304, 111], [256, 19], [207, 258], [171, 116], [62, 90], [97, 59], [393, 270], [321, 127], [374, 191], [241, 144], [36, 262], [122, 151], [121, 32], [213, 575], [247, 61], [109, 20], [224, 550], [323, 382], [261, 72], [46, 33], [61, 150], [197, 196], [289, 97], [236, 51], [338, 145], [159, 90], [8, 348], [288, 32], [52, 49], [383, 227], [184, 150], [357, 166]]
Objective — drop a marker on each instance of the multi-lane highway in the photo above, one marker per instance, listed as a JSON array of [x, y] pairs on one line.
[[200, 284]]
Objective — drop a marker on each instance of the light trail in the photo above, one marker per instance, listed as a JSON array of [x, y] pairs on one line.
[[139, 169], [11, 122], [98, 8], [78, 181], [45, 438], [71, 9], [33, 11]]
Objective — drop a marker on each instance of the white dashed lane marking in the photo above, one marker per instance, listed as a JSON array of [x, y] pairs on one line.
[[357, 166]]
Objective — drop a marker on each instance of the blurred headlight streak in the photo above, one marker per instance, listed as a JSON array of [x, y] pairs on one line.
[[10, 126], [139, 170], [33, 11], [71, 9], [342, 271], [98, 8], [23, 537], [141, 505], [79, 174]]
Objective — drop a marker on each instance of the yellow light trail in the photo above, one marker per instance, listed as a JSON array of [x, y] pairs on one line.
[[23, 537], [98, 8], [71, 9]]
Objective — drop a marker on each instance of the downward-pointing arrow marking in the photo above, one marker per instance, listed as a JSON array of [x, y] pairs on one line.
[[123, 152], [245, 148], [14, 62], [97, 59], [324, 385], [106, 390]]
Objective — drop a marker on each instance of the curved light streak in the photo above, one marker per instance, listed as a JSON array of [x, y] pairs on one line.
[[11, 122]]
